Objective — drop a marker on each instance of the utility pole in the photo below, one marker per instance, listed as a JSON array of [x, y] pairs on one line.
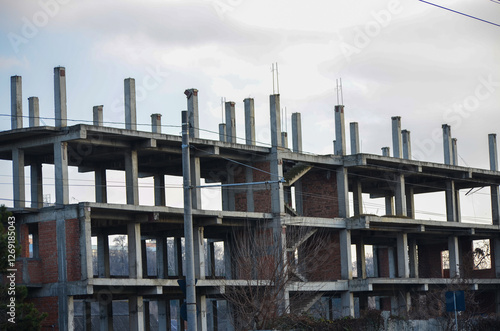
[[188, 227]]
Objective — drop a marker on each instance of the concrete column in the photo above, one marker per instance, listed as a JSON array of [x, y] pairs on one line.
[[454, 151], [87, 316], [360, 258], [345, 254], [284, 139], [353, 126], [357, 198], [495, 203], [193, 118], [343, 192], [299, 204], [222, 132], [97, 114], [36, 185], [156, 123], [403, 258], [249, 121], [400, 194], [347, 300], [296, 133], [34, 111], [410, 201], [447, 144], [339, 131], [61, 113], [16, 102], [413, 259], [130, 104], [105, 312], [454, 252], [159, 183], [201, 301], [249, 189], [230, 122], [147, 320], [164, 321], [136, 313], [134, 250], [85, 243], [406, 144], [61, 172], [386, 151], [451, 200], [131, 177], [375, 262], [496, 253], [199, 253], [396, 137], [144, 258], [161, 257], [66, 318], [274, 101], [227, 259], [195, 169], [389, 205], [18, 178], [103, 255], [101, 188]]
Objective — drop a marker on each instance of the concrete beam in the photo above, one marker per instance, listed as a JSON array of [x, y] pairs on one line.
[[339, 131], [18, 178], [249, 121], [61, 173], [230, 122], [130, 104], [97, 114], [343, 191], [16, 102], [134, 250], [354, 138], [61, 112], [402, 253], [193, 117], [275, 110], [345, 254], [34, 111], [36, 183], [296, 133], [131, 177], [396, 137], [454, 253]]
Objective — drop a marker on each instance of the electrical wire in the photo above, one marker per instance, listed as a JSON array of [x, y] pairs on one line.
[[460, 13]]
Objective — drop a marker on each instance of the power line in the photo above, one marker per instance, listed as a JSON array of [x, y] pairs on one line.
[[460, 13]]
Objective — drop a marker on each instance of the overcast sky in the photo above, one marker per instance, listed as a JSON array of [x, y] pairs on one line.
[[396, 58]]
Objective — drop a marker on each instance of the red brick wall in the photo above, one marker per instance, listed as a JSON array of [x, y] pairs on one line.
[[24, 240], [383, 262], [73, 256], [429, 260], [48, 305], [261, 195], [320, 255], [319, 189], [48, 250]]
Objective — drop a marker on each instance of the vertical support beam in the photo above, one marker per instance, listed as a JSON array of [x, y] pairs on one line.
[[18, 178], [357, 198], [249, 121], [215, 315], [202, 304], [396, 137], [199, 253], [130, 104], [413, 258], [296, 133], [97, 114], [454, 150], [343, 192], [299, 203], [136, 313], [392, 262], [447, 145], [345, 254], [406, 144], [195, 181], [131, 177], [36, 183], [16, 102], [284, 139], [87, 316], [159, 184], [386, 151], [453, 250], [161, 257], [360, 258], [61, 173], [34, 111], [61, 112], [410, 201], [101, 189], [347, 300], [144, 258], [399, 194], [134, 250], [495, 203], [451, 200], [193, 118], [103, 255], [375, 261], [230, 122], [222, 132], [274, 101], [147, 320], [178, 257], [85, 243], [164, 322], [402, 253], [353, 128], [389, 205], [228, 266], [156, 123], [105, 312], [339, 130]]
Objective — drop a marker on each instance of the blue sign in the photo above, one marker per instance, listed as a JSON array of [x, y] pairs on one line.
[[455, 301]]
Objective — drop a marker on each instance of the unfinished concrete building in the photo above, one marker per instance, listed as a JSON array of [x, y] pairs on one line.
[[407, 252]]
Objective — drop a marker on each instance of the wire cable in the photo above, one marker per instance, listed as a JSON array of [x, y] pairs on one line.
[[460, 13]]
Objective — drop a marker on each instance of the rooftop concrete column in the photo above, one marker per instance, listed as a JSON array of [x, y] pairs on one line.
[[230, 122], [134, 250], [454, 253], [130, 104], [447, 144], [412, 253], [400, 194], [222, 132], [451, 200], [105, 312], [249, 121], [136, 313], [296, 133], [34, 111], [403, 258], [101, 188], [454, 151], [156, 123], [396, 137], [36, 183], [61, 112], [360, 258], [193, 118], [284, 139], [353, 128], [345, 254], [339, 130], [159, 190], [386, 151], [495, 204], [103, 255], [406, 144], [357, 197], [18, 178], [61, 172], [347, 299], [199, 252], [131, 177], [274, 101], [161, 257], [16, 102], [97, 115], [343, 192]]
